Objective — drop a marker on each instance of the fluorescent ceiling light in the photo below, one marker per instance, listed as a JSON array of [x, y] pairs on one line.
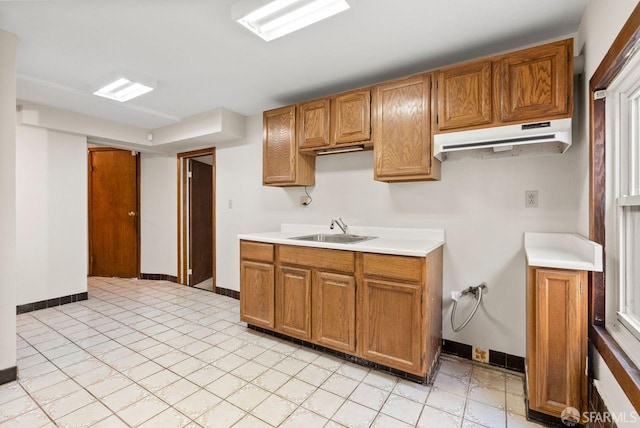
[[280, 17], [122, 90]]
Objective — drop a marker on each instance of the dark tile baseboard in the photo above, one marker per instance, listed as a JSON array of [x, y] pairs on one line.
[[496, 358], [228, 292], [159, 277], [8, 375], [351, 358], [43, 304]]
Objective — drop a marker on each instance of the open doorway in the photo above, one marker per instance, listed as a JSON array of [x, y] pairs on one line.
[[196, 219]]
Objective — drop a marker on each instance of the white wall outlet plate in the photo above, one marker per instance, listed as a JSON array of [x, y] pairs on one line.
[[531, 199], [480, 354]]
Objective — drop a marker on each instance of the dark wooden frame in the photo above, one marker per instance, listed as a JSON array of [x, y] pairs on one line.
[[182, 227], [623, 369], [89, 188]]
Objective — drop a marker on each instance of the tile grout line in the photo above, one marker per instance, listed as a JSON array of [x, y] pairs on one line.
[[162, 305]]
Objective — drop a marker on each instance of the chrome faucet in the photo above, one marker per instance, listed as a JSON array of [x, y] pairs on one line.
[[341, 224]]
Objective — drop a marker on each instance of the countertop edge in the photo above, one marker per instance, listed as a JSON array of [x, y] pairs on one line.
[[359, 247]]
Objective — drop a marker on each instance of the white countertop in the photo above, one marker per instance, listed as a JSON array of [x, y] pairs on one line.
[[397, 241], [562, 251]]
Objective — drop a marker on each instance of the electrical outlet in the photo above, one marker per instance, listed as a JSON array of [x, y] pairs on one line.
[[531, 199], [480, 354], [230, 204]]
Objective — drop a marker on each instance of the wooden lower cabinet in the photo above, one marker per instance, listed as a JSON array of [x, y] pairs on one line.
[[256, 299], [392, 332], [383, 308], [334, 311], [293, 301], [556, 340]]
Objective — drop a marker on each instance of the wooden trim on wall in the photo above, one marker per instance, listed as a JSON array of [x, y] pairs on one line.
[[182, 203], [618, 53], [624, 370], [597, 161]]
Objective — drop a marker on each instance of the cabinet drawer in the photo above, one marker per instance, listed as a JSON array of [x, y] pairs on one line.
[[319, 258], [397, 267], [256, 251]]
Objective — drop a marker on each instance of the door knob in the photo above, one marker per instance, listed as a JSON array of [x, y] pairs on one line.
[[131, 213]]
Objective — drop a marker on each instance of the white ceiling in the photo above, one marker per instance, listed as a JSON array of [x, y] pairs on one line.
[[203, 60]]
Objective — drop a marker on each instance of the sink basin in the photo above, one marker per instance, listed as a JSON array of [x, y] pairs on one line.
[[337, 238]]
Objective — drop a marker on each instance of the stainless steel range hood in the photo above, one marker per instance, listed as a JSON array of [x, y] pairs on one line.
[[504, 138]]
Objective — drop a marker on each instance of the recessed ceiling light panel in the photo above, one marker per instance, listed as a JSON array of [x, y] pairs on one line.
[[280, 17], [122, 89]]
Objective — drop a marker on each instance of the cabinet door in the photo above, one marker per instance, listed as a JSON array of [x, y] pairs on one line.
[[282, 164], [334, 311], [557, 345], [464, 96], [313, 124], [537, 83], [257, 293], [352, 117], [293, 302], [392, 332], [402, 143]]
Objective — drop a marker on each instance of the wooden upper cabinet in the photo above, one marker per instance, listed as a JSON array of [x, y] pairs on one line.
[[464, 95], [351, 117], [537, 83], [313, 124], [402, 140], [556, 340], [282, 164]]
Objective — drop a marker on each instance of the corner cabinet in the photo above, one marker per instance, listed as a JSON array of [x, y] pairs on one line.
[[556, 340], [384, 309], [402, 132], [282, 164]]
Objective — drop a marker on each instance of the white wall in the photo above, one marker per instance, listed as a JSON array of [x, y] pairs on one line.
[[158, 214], [479, 203], [8, 198], [51, 220], [600, 25]]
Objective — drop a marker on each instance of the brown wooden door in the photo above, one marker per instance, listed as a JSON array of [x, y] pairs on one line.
[[392, 332], [113, 213], [537, 83], [280, 146], [351, 117], [257, 293], [402, 145], [464, 96], [313, 124], [200, 221], [293, 301], [557, 341], [334, 310]]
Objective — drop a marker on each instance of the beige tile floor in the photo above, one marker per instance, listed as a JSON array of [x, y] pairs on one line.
[[155, 354]]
